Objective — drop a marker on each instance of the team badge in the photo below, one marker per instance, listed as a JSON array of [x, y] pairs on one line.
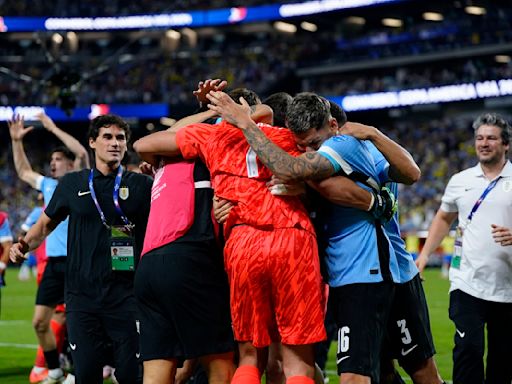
[[124, 192], [507, 185]]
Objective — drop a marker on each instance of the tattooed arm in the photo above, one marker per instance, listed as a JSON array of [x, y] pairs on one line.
[[308, 166]]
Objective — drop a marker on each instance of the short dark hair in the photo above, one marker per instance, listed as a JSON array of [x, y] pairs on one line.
[[306, 111], [107, 121], [66, 152], [279, 103], [250, 96], [338, 113], [495, 120]]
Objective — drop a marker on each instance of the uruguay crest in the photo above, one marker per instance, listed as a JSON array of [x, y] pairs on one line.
[[507, 185], [124, 192]]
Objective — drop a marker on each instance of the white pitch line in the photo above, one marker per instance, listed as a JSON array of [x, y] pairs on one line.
[[13, 322], [16, 345]]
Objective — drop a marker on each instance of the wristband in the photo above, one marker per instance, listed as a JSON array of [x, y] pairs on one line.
[[3, 265], [371, 202]]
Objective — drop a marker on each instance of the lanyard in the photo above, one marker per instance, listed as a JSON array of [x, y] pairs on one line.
[[482, 197], [115, 197]]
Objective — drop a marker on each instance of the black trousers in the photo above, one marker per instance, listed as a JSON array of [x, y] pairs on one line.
[[94, 336], [470, 316]]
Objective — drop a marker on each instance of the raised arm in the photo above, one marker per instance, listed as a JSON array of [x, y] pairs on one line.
[[17, 131], [402, 167], [192, 119], [81, 155], [308, 166], [159, 144], [33, 239], [439, 228]]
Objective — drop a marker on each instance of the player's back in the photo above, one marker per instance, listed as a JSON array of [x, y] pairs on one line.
[[239, 176]]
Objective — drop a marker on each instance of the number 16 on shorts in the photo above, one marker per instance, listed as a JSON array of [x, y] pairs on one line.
[[343, 339]]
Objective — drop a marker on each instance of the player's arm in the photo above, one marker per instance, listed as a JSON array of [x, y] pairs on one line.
[[439, 228], [343, 191], [17, 131], [310, 165], [192, 119], [159, 144], [33, 239], [402, 167], [6, 243], [81, 155]]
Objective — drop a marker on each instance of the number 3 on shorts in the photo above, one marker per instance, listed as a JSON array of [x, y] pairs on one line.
[[406, 339], [343, 339]]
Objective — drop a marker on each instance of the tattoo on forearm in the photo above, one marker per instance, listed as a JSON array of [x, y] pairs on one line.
[[310, 165]]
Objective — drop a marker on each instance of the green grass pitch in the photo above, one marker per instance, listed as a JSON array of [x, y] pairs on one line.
[[18, 341]]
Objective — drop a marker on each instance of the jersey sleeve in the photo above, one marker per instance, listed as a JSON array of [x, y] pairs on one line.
[[39, 182], [192, 140], [5, 232], [31, 219], [59, 206], [381, 164], [448, 201], [351, 158]]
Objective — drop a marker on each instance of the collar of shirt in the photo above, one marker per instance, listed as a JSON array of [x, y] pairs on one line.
[[111, 175], [505, 172]]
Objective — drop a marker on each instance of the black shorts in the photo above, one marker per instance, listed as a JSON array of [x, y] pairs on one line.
[[409, 336], [51, 288], [94, 337], [361, 312], [183, 298]]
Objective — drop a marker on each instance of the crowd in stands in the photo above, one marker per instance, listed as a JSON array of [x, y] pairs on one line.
[[149, 73], [404, 77], [441, 147]]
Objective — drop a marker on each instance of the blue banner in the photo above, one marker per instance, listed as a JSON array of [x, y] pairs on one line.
[[204, 18], [141, 111]]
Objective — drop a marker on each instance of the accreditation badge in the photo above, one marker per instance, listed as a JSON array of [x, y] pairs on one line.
[[457, 248], [122, 249]]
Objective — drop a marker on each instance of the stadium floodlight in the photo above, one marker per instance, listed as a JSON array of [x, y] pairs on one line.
[[474, 10], [57, 38], [72, 41], [391, 22], [172, 34], [503, 59], [285, 27], [433, 16], [356, 20], [307, 26]]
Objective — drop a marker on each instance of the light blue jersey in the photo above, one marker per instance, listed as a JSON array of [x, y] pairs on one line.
[[5, 231], [57, 241], [406, 263], [31, 219], [352, 252]]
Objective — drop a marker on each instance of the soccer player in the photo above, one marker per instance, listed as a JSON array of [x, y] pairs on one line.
[[356, 273], [50, 292], [270, 254]]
